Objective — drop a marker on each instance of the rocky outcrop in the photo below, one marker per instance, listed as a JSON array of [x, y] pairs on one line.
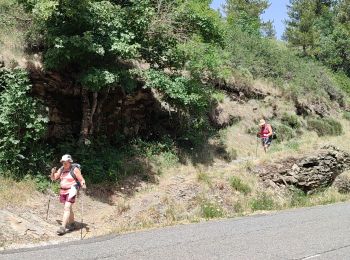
[[117, 112], [307, 173], [223, 114], [342, 182]]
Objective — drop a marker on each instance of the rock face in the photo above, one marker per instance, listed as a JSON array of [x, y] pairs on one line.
[[307, 173], [129, 114]]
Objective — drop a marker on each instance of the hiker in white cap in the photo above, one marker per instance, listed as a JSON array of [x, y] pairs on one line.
[[265, 134], [71, 180]]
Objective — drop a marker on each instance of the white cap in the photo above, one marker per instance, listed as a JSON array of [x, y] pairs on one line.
[[66, 157]]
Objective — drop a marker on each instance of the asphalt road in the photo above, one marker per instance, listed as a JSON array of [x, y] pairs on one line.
[[309, 233]]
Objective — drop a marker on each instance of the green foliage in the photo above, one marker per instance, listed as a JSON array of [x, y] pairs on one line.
[[325, 126], [321, 29], [265, 58], [246, 14], [205, 60], [161, 153], [346, 115], [237, 184], [42, 183], [211, 210], [263, 201], [197, 16], [291, 120], [9, 9], [300, 26], [283, 132], [103, 162], [342, 81], [179, 90], [21, 126]]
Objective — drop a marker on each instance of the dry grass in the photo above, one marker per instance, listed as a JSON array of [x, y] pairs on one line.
[[15, 193]]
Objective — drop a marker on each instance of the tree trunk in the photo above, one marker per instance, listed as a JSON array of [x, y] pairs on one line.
[[100, 104], [93, 110], [86, 117]]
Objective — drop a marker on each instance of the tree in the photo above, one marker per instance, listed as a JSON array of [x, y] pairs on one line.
[[96, 42], [245, 14], [268, 30], [300, 29], [334, 44]]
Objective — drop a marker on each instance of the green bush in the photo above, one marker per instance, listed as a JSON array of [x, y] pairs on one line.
[[263, 202], [237, 184], [346, 115], [291, 120], [22, 125], [325, 126], [211, 210], [283, 132]]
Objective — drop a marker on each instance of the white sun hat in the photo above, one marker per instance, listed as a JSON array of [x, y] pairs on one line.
[[262, 122], [66, 158]]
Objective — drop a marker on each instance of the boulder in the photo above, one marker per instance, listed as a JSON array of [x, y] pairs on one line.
[[308, 173]]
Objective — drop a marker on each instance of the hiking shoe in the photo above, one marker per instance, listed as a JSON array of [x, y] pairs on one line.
[[61, 231], [71, 226]]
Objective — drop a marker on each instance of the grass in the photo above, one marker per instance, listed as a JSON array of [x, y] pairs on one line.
[[328, 196], [263, 201], [211, 210], [239, 185], [15, 193], [204, 177]]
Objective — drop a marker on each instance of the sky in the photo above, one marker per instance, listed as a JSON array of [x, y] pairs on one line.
[[277, 12]]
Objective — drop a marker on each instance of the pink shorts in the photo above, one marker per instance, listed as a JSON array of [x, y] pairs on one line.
[[65, 198]]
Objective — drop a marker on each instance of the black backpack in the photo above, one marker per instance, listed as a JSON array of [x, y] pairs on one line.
[[274, 134]]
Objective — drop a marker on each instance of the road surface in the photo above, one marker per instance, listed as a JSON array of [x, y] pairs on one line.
[[309, 233]]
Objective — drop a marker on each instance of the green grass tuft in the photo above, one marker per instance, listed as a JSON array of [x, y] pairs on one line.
[[237, 184]]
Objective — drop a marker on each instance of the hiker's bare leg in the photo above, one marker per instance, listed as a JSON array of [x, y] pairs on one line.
[[71, 215], [66, 213], [265, 148]]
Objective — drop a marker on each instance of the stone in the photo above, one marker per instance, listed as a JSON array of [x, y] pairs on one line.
[[308, 173]]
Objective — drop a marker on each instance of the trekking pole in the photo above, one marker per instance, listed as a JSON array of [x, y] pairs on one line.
[[48, 204], [82, 215], [256, 148]]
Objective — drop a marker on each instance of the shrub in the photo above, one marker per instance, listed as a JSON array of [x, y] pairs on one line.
[[346, 115], [211, 210], [325, 126], [263, 202], [237, 184], [291, 121], [283, 132], [22, 125]]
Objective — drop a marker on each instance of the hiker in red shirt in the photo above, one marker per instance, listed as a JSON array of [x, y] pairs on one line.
[[265, 134], [71, 180]]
